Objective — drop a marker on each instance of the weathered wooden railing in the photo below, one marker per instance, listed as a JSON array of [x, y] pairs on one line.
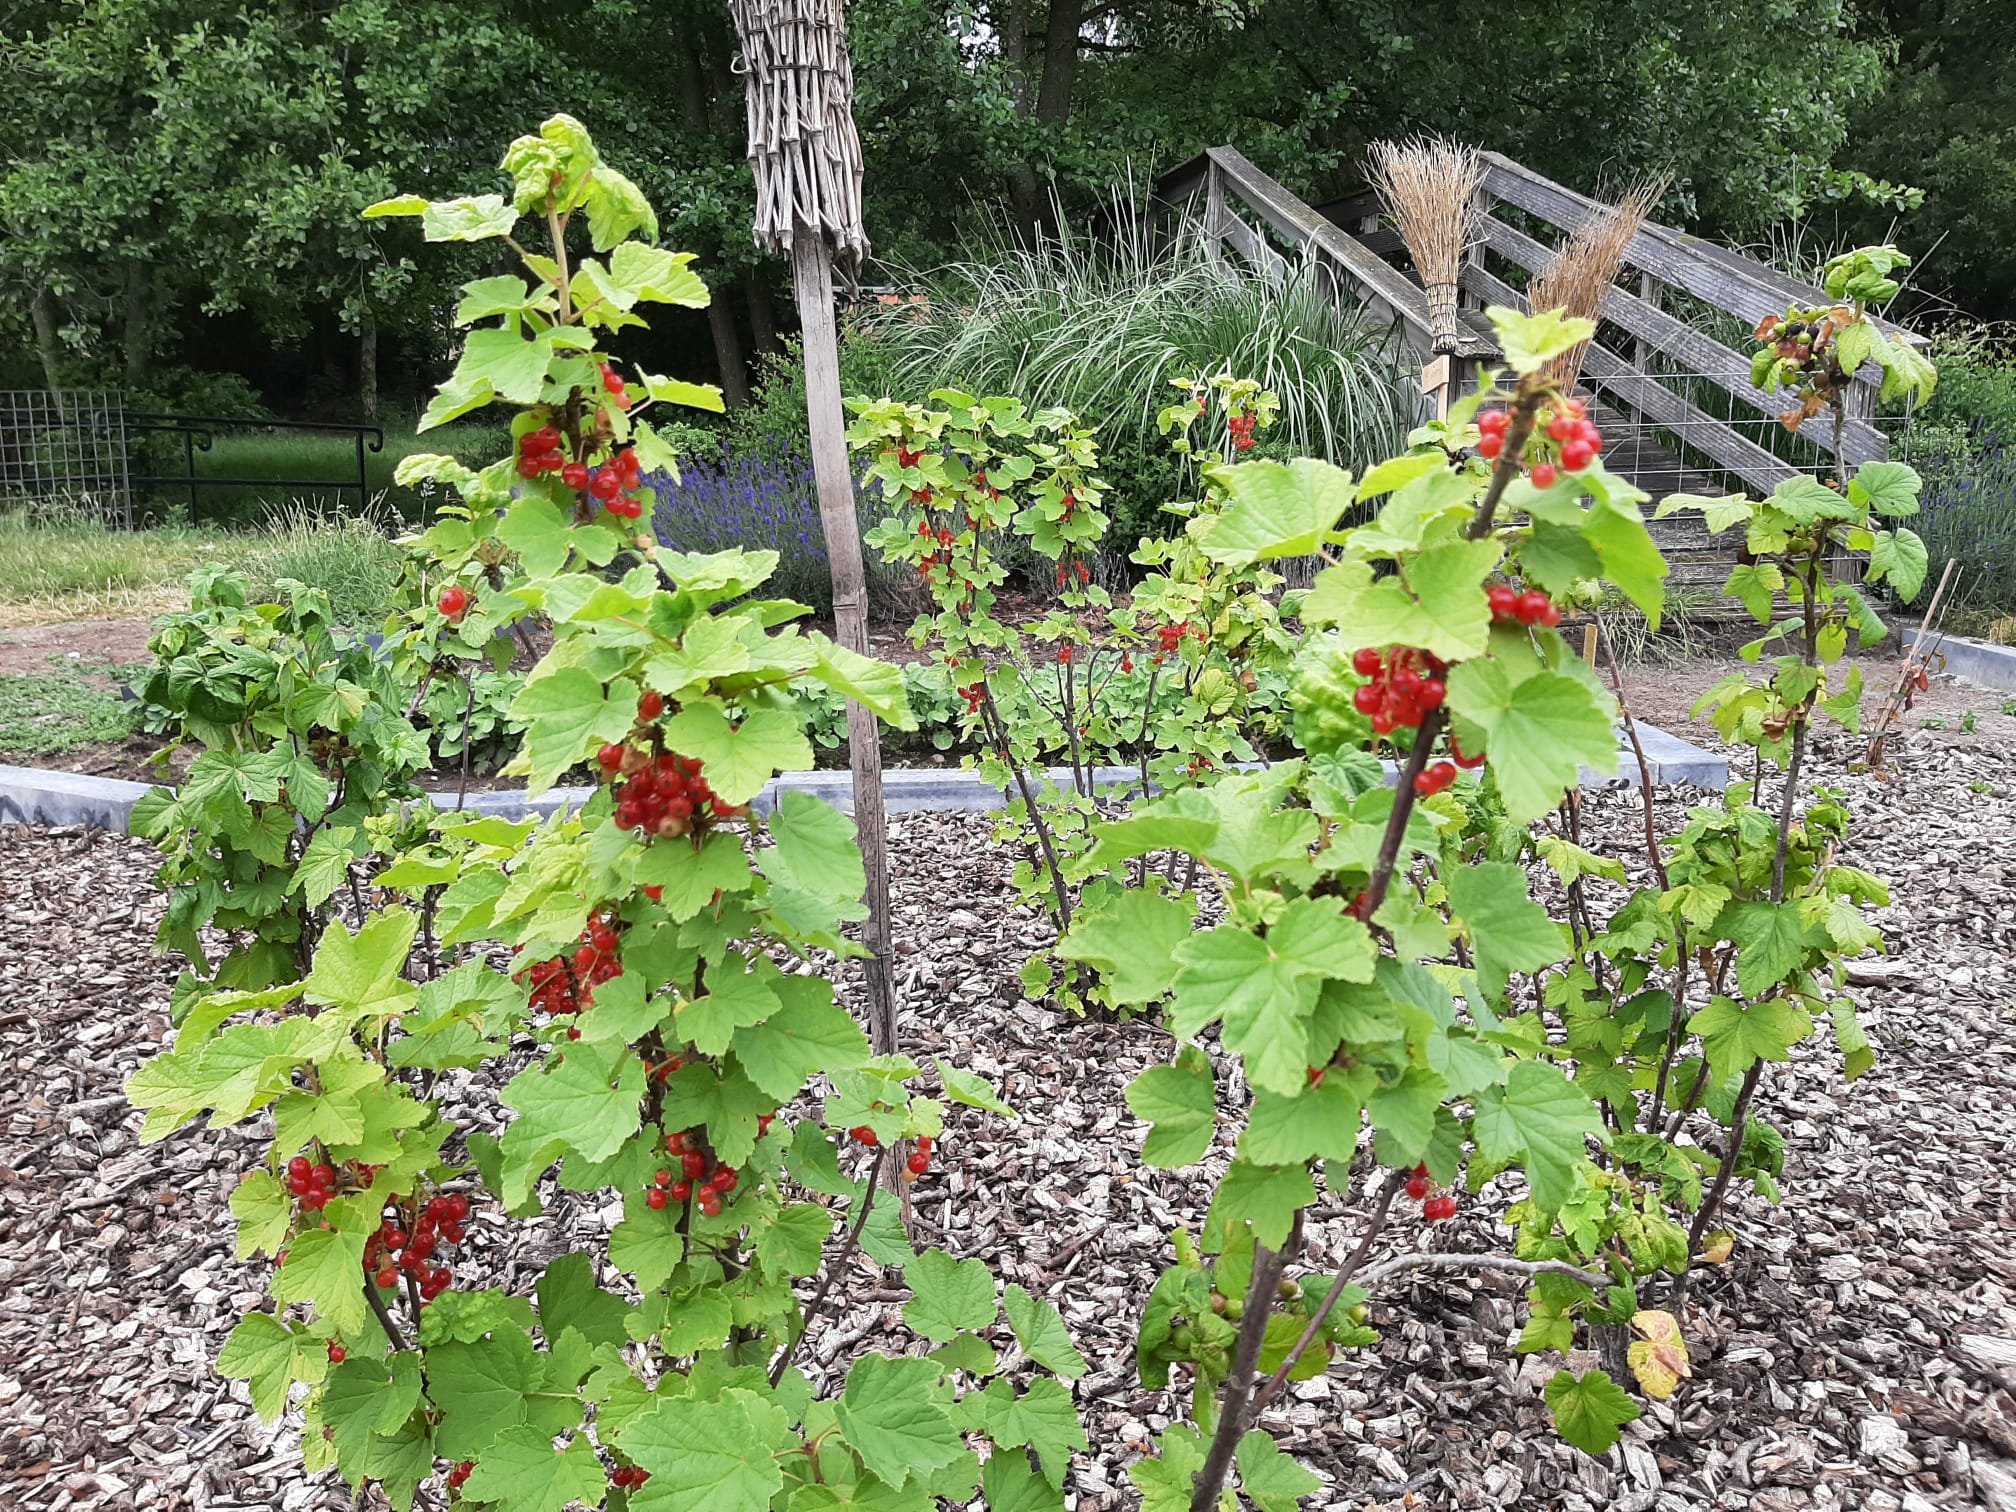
[[1664, 349]]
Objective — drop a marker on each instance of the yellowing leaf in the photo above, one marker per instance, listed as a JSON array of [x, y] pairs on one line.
[[1659, 1358]]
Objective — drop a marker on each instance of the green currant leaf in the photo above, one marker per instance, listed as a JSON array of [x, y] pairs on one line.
[[1131, 940], [1543, 1119], [1039, 1328], [949, 1296], [1540, 732], [704, 1456], [1041, 1418], [1589, 1409], [1271, 1480], [895, 1420], [522, 1472], [740, 759], [1177, 1100], [1508, 930]]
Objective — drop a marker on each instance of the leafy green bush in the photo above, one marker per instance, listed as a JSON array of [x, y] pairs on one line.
[[1100, 328]]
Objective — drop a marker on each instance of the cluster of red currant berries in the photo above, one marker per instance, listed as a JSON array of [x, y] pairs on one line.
[[312, 1185], [1241, 427], [1435, 1206], [440, 1222], [1406, 686], [941, 555], [699, 1175], [975, 695], [1068, 572], [628, 1477], [461, 1473], [1511, 607], [920, 1157], [665, 795], [1567, 425], [566, 984]]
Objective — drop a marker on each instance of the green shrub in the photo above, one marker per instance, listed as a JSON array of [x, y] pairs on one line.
[[1101, 327]]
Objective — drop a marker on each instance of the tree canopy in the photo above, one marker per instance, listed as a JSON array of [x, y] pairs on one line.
[[168, 159]]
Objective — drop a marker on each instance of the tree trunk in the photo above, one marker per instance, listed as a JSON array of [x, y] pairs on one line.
[[762, 316], [692, 89], [367, 366], [812, 281], [48, 345], [136, 327], [728, 351], [1025, 194], [1060, 61]]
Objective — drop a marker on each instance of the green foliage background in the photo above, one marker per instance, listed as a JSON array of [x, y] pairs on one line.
[[174, 162]]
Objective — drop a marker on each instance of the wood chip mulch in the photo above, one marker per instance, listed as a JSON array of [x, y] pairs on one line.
[[1859, 1351]]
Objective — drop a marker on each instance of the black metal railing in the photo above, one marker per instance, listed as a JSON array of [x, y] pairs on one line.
[[199, 432]]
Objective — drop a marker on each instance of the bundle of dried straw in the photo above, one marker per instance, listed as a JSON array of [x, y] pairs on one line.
[[1432, 189], [802, 143], [1579, 277]]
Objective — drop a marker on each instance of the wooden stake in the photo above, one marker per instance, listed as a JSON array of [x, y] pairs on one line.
[[812, 280]]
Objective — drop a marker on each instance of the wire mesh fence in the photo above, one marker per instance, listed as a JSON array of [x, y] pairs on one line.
[[66, 448]]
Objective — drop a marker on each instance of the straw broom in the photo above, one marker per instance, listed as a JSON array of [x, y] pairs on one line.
[[1579, 277], [1432, 191]]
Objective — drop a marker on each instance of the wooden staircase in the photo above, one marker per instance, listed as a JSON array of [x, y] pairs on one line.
[[1641, 374]]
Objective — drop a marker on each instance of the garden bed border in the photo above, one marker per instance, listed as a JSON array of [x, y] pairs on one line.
[[37, 795]]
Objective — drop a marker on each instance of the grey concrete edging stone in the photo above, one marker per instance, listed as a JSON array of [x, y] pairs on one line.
[[34, 795], [1981, 662]]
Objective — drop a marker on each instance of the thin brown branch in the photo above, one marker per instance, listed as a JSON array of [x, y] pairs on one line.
[[868, 1189], [1373, 1226]]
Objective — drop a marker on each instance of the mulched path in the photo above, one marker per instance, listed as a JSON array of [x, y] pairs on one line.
[[1859, 1351]]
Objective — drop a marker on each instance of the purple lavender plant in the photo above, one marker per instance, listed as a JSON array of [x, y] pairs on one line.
[[724, 501]]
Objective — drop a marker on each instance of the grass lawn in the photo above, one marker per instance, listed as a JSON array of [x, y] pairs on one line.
[[54, 569], [74, 705]]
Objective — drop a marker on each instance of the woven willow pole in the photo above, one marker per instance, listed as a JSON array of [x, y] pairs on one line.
[[807, 161]]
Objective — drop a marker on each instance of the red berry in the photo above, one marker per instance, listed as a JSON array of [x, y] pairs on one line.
[[710, 1204], [1490, 445], [528, 466], [1492, 422], [337, 1353], [322, 1178], [544, 439], [575, 475], [609, 758], [693, 1165], [1435, 1209], [605, 484], [681, 1190], [1576, 455], [655, 1198], [1365, 661], [919, 1163], [1417, 1187], [610, 381], [298, 1168], [1383, 722], [1560, 428], [1366, 698], [1531, 606], [1543, 475], [1468, 763], [387, 1277], [650, 706], [725, 1179], [1431, 693], [926, 1143], [1550, 616], [663, 1178], [1504, 600], [454, 601], [865, 1135]]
